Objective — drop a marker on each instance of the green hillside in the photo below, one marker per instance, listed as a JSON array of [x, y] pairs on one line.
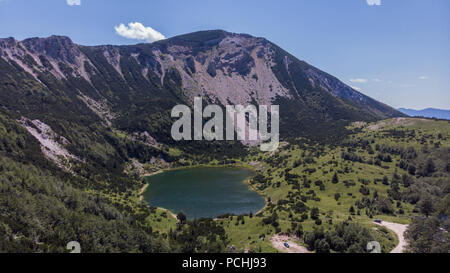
[[396, 170]]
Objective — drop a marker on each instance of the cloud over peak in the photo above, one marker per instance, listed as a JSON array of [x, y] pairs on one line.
[[73, 2], [138, 31], [373, 2]]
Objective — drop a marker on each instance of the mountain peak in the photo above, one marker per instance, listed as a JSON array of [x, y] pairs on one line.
[[220, 66], [51, 41], [202, 38], [57, 47]]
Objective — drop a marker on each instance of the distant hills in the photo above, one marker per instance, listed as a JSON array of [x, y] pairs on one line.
[[428, 113]]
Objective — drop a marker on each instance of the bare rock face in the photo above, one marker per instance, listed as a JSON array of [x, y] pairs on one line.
[[236, 70], [57, 55], [52, 144], [58, 48]]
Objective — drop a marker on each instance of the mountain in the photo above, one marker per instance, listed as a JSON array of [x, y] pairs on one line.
[[80, 124], [133, 87], [428, 113]]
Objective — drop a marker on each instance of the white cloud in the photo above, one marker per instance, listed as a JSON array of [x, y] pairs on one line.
[[377, 80], [424, 78], [138, 31], [373, 2], [73, 2], [359, 80], [356, 88]]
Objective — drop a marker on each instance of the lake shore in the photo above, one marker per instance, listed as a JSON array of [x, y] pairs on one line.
[[144, 188], [236, 165], [140, 193], [266, 200]]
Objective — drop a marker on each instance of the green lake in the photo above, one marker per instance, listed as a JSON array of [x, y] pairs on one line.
[[204, 192]]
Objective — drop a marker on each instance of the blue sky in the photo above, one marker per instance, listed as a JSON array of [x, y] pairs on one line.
[[396, 51]]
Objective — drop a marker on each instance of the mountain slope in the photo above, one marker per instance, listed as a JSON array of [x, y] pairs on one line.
[[133, 87], [43, 207]]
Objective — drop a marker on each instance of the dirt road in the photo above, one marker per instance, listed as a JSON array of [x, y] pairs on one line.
[[399, 229], [278, 241]]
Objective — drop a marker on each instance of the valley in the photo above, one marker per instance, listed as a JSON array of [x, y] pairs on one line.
[[82, 126], [302, 202]]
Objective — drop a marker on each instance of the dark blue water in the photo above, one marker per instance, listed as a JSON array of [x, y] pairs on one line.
[[204, 192]]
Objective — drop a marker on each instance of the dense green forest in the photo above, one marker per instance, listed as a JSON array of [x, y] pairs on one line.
[[396, 170], [316, 191], [43, 208]]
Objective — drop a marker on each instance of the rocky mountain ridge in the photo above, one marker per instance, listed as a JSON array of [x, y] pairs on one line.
[[132, 88]]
